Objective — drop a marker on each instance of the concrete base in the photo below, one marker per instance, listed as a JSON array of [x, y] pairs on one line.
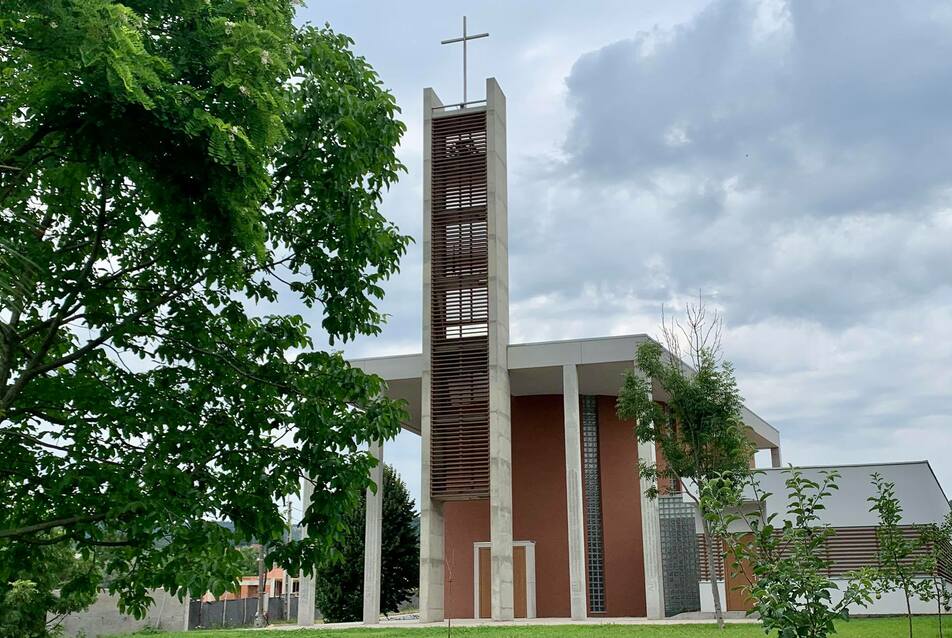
[[413, 623]]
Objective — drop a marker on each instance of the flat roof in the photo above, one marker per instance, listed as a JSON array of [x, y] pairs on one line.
[[536, 368], [919, 491]]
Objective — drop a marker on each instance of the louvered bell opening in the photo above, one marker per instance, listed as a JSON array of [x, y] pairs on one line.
[[459, 410]]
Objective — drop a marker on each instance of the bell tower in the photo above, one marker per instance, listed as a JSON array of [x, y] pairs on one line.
[[465, 417]]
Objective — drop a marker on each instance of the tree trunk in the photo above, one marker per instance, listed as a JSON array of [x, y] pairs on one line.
[[712, 573], [938, 599], [905, 590]]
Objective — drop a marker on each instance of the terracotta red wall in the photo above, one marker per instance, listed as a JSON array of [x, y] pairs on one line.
[[464, 523], [539, 513], [621, 514], [538, 496]]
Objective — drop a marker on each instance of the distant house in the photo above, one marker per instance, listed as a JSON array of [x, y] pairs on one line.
[[248, 588]]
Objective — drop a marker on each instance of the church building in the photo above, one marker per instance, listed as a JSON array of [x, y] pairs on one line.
[[532, 505]]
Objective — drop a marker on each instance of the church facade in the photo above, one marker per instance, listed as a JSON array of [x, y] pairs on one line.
[[532, 505]]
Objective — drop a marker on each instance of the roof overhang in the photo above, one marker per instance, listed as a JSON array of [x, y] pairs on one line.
[[536, 368]]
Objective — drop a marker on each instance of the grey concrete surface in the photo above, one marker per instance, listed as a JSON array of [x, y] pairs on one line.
[[103, 617]]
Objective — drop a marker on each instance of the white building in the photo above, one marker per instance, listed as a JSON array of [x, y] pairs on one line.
[[847, 511]]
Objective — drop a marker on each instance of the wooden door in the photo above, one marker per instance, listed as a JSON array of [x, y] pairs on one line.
[[518, 582], [485, 583], [737, 581]]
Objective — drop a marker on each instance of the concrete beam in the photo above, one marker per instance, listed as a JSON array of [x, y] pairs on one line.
[[431, 511], [573, 495], [373, 537], [305, 617]]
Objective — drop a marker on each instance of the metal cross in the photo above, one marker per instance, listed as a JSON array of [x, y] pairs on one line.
[[464, 40]]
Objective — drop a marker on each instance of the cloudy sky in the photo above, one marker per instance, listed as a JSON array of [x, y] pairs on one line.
[[788, 159]]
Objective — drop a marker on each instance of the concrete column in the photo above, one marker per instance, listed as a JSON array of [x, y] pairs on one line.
[[186, 611], [306, 588], [651, 540], [500, 447], [373, 536], [775, 460], [573, 495], [431, 511]]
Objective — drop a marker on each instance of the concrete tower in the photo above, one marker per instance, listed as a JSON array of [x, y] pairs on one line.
[[465, 418]]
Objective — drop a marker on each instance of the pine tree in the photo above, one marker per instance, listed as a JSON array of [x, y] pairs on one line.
[[340, 584]]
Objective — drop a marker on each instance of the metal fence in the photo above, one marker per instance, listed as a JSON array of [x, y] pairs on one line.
[[239, 612]]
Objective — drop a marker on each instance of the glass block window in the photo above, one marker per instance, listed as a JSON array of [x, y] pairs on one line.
[[679, 555], [593, 506]]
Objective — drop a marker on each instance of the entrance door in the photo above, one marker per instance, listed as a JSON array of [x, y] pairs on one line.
[[737, 581], [519, 584]]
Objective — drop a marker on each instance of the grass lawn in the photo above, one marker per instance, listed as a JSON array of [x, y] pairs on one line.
[[925, 627]]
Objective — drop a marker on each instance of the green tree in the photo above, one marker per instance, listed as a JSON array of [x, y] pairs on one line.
[[340, 583], [167, 170], [789, 579], [699, 431], [937, 539], [249, 560], [43, 583], [902, 561]]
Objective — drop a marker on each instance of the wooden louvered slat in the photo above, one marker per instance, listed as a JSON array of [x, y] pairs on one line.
[[459, 303], [848, 549]]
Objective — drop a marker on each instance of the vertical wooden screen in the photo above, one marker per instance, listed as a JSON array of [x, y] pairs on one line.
[[459, 407]]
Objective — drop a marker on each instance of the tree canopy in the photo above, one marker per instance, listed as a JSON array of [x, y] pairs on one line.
[[175, 174], [340, 584]]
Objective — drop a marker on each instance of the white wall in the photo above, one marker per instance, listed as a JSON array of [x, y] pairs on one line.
[[892, 603], [707, 600]]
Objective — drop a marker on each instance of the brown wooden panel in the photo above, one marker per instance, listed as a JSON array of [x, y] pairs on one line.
[[848, 549], [485, 583], [459, 302], [739, 579], [519, 581]]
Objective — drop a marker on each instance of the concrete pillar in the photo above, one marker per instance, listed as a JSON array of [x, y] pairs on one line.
[[187, 610], [306, 588], [651, 540], [500, 447], [775, 460], [431, 511], [373, 537], [573, 492]]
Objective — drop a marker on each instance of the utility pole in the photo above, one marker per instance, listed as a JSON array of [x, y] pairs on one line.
[[286, 587], [260, 620]]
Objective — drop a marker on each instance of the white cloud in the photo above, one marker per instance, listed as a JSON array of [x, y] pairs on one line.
[[790, 159]]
